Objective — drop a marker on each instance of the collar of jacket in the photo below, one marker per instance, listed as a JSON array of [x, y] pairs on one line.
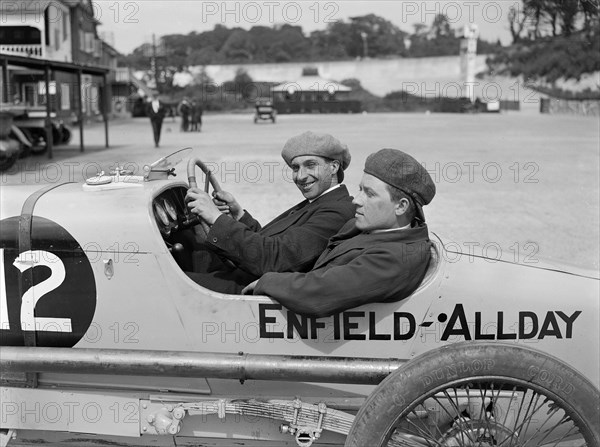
[[333, 195], [413, 234]]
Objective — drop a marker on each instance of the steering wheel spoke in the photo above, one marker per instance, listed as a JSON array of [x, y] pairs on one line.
[[209, 180]]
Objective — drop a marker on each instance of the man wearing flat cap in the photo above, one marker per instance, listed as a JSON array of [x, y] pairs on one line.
[[295, 239], [379, 256]]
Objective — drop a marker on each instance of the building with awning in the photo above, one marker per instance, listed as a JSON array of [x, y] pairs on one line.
[[51, 58], [313, 94]]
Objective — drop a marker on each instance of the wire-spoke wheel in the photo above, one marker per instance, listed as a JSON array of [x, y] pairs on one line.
[[481, 395]]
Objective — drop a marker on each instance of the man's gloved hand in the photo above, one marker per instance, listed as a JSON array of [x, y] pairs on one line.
[[227, 204]]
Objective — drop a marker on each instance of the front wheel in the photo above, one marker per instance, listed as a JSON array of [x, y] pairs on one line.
[[480, 394], [7, 161], [65, 135]]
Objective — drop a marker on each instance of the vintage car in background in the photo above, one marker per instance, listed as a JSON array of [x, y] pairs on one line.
[[32, 122], [105, 340], [264, 110], [13, 143]]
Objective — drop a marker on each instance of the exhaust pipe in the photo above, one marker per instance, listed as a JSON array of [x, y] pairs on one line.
[[354, 370]]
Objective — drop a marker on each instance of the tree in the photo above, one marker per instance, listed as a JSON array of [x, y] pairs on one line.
[[242, 85], [537, 19], [204, 56], [290, 44], [333, 43], [238, 47], [438, 40], [552, 39], [382, 36], [441, 27]]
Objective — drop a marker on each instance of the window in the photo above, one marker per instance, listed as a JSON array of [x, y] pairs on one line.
[[97, 47], [81, 40], [56, 39], [65, 96], [89, 42], [65, 24]]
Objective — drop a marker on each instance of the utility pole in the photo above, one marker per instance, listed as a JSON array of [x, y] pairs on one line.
[[153, 64], [365, 46], [468, 54]]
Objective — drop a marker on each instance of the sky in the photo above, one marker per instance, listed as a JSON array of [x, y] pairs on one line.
[[128, 24]]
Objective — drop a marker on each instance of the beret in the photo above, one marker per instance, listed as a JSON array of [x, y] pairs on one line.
[[400, 170], [321, 144]]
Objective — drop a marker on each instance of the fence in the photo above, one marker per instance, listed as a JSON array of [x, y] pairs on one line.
[[585, 107], [318, 107]]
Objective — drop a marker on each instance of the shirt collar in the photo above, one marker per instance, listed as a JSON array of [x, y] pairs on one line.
[[387, 230], [325, 192]]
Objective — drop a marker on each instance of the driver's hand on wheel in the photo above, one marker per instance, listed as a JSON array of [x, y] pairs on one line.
[[201, 203], [227, 204]]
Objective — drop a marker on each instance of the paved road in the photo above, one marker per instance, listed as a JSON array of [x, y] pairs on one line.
[[523, 183]]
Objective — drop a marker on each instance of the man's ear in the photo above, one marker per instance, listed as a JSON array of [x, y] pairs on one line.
[[334, 166], [402, 207]]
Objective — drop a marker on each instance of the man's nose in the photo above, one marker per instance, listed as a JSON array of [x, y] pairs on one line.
[[302, 174]]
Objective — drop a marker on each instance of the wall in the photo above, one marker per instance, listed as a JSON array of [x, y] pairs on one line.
[[428, 77], [433, 76]]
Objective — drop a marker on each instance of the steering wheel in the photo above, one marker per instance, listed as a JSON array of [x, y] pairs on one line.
[[210, 179]]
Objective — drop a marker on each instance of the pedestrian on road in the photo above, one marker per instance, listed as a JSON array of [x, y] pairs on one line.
[[185, 110], [196, 115], [156, 110]]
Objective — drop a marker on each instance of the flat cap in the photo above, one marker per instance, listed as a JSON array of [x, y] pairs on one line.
[[321, 144], [400, 170]]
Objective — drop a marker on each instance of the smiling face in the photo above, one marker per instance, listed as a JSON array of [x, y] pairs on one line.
[[314, 175], [375, 209]]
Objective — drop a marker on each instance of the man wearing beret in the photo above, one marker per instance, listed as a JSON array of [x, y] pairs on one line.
[[380, 256], [294, 240]]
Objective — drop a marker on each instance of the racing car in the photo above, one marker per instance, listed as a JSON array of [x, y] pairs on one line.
[[106, 340]]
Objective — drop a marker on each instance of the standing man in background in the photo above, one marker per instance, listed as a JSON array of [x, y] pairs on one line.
[[156, 111], [196, 115], [185, 110]]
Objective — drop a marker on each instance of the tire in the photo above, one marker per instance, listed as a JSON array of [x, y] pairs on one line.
[[65, 134], [32, 150], [8, 161], [25, 151], [469, 394], [56, 135], [38, 140]]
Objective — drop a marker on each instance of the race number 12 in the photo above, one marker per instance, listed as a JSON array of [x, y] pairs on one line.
[[29, 322]]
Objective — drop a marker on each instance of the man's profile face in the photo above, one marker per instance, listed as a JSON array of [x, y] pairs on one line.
[[375, 209], [312, 175]]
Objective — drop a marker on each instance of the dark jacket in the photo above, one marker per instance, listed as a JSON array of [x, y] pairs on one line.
[[355, 269], [162, 111], [290, 243]]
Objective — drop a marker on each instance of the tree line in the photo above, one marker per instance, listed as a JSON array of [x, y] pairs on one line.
[[368, 36], [552, 39]]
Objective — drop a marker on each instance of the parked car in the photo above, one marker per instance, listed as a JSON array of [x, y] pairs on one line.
[[13, 143], [32, 122], [264, 110], [105, 339]]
